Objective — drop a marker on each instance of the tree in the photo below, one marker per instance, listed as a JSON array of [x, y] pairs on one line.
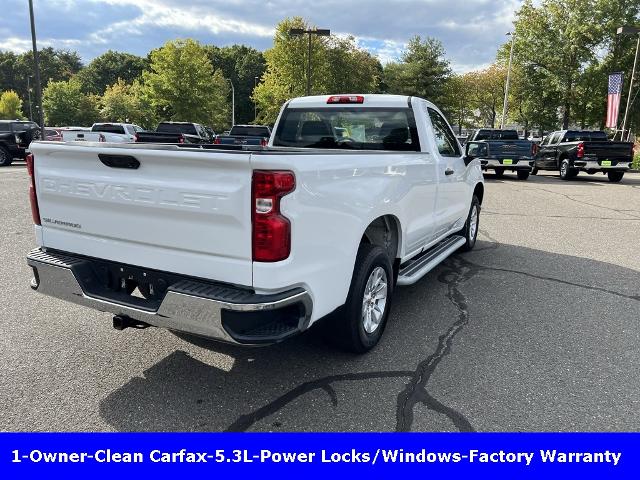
[[556, 40], [124, 102], [458, 101], [338, 65], [183, 86], [64, 104], [487, 93], [423, 70], [10, 105], [55, 65], [241, 65], [106, 69]]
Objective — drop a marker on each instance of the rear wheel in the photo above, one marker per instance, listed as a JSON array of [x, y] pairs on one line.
[[523, 174], [5, 157], [566, 172], [615, 176], [359, 324], [471, 226], [499, 172]]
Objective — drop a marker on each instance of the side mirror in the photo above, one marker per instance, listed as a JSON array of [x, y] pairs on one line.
[[475, 150]]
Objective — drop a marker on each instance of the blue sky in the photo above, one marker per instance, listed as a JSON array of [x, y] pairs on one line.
[[471, 30]]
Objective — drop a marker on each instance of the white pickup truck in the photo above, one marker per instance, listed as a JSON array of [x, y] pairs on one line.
[[353, 196], [104, 132]]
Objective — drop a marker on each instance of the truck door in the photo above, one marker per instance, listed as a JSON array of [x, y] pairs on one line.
[[453, 195]]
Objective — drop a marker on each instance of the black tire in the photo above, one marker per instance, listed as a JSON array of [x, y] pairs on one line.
[[615, 176], [566, 170], [499, 172], [534, 171], [467, 232], [523, 174], [5, 157], [347, 326]]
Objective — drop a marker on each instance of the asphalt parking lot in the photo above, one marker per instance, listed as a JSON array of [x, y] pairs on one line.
[[536, 329]]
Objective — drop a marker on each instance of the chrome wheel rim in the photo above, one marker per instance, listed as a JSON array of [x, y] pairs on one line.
[[374, 300], [563, 169], [473, 223]]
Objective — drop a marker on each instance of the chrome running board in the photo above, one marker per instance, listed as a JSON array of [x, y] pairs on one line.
[[418, 267]]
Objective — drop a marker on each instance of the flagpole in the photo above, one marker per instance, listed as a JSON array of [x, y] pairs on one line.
[[633, 76]]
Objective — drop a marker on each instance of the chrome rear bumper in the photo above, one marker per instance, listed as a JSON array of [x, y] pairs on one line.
[[188, 306]]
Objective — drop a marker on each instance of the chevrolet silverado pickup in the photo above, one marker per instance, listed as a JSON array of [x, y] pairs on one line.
[[252, 245], [177, 132], [104, 132], [503, 150], [571, 152]]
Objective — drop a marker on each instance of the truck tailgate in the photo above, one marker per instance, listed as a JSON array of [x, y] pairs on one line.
[[509, 148], [180, 211], [616, 151]]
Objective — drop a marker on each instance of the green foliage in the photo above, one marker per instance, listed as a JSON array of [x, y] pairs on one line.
[[124, 102], [108, 68], [183, 86], [338, 65], [564, 51], [423, 70], [241, 65], [458, 102], [65, 104], [636, 161], [10, 106]]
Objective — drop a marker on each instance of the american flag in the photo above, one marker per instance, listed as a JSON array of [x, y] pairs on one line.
[[613, 106]]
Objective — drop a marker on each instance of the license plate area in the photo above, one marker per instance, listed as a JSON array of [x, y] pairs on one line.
[[605, 163], [507, 161]]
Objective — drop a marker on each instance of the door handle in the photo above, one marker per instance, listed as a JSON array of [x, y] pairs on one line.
[[448, 171]]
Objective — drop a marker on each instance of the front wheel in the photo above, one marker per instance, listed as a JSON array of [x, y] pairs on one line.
[[523, 174], [615, 176], [359, 324], [534, 171], [470, 230]]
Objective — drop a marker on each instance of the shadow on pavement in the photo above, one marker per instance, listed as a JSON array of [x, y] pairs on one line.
[[504, 337]]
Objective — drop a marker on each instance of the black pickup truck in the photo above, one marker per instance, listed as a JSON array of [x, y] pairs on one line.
[[501, 150], [572, 151], [177, 132], [15, 137], [246, 135]]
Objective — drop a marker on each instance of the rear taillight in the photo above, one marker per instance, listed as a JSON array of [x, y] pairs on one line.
[[580, 152], [271, 230], [264, 142], [33, 199], [216, 141], [534, 148], [181, 139]]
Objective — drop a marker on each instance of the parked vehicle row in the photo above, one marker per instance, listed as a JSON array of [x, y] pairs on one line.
[[104, 132]]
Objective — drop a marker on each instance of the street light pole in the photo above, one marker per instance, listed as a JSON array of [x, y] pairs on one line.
[[255, 103], [629, 31], [29, 93], [506, 88], [233, 103], [321, 32], [36, 66]]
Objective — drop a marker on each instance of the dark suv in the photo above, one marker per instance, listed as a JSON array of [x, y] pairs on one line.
[[15, 137]]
